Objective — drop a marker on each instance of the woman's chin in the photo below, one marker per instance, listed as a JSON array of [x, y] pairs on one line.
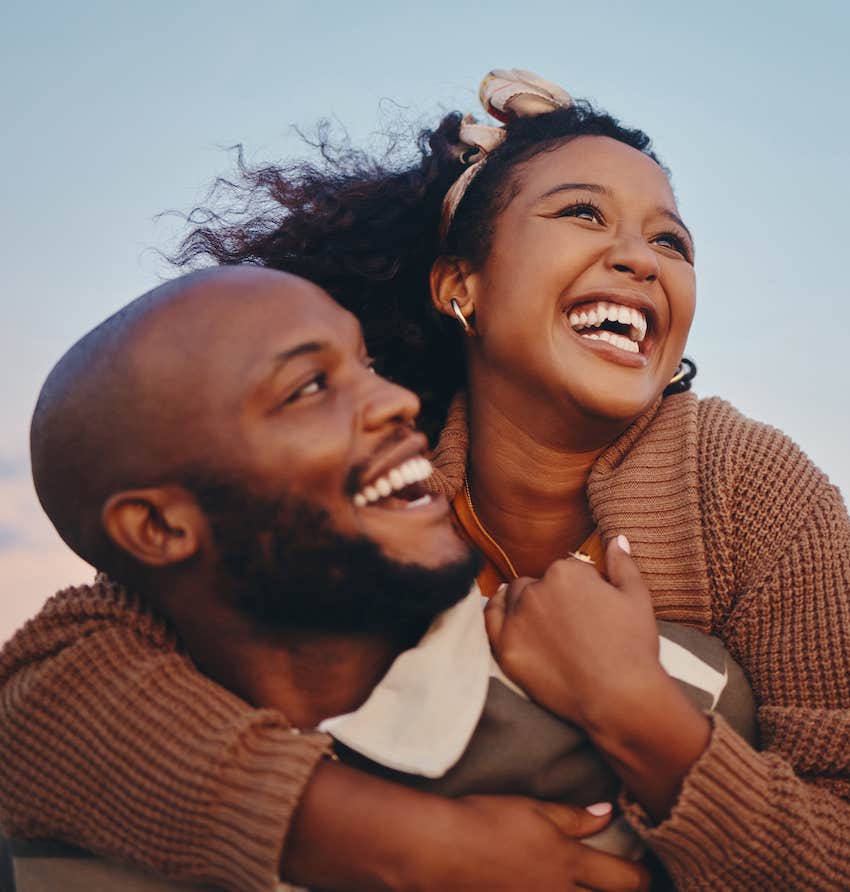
[[613, 402]]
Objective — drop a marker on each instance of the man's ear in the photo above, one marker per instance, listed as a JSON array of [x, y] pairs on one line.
[[451, 280], [158, 526]]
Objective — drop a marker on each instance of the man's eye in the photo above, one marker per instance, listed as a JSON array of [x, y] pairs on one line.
[[583, 210], [313, 386]]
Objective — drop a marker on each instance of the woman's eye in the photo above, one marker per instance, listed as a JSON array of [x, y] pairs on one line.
[[583, 211], [674, 242]]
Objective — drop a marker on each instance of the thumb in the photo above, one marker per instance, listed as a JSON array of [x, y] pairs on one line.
[[574, 821], [621, 569], [494, 614]]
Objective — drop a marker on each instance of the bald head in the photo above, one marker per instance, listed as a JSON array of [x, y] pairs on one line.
[[144, 399]]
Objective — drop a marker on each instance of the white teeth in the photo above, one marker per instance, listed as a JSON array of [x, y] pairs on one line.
[[411, 471], [615, 340], [593, 316]]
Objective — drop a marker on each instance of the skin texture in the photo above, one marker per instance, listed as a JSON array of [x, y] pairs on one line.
[[592, 219], [260, 379]]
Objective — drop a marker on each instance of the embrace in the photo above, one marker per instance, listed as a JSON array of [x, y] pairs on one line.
[[458, 379]]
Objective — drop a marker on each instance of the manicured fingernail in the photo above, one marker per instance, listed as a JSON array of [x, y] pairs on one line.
[[502, 588], [623, 542], [598, 809]]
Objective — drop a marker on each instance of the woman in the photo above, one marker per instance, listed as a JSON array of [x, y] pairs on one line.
[[563, 282]]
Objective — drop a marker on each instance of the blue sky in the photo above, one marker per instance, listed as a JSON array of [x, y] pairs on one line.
[[114, 112]]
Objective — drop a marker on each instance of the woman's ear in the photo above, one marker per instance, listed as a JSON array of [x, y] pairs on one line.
[[450, 281], [158, 526]]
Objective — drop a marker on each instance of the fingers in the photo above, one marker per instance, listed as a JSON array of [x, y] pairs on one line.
[[494, 614], [503, 602], [576, 822], [607, 873], [622, 570]]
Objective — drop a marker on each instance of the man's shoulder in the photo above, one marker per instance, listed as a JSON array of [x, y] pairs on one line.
[[101, 611]]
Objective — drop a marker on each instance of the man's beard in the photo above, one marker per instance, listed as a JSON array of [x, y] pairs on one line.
[[289, 569]]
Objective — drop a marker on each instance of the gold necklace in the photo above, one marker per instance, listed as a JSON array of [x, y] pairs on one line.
[[581, 555], [484, 531]]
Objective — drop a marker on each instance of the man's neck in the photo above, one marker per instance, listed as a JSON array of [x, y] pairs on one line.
[[308, 676]]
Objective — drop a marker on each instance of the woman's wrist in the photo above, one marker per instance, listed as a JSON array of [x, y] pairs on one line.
[[651, 738]]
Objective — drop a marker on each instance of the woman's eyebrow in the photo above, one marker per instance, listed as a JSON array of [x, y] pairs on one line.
[[574, 187], [665, 212]]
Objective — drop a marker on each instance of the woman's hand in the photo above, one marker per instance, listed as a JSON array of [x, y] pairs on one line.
[[587, 649], [513, 844], [582, 646], [359, 833]]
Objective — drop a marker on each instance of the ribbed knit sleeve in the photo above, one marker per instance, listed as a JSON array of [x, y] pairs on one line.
[[111, 739], [777, 540]]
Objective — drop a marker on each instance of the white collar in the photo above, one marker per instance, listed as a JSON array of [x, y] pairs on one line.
[[421, 715]]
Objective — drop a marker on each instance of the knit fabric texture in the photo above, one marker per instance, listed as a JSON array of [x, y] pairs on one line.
[[111, 739]]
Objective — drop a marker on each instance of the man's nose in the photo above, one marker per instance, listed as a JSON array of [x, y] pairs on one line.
[[385, 402], [634, 257]]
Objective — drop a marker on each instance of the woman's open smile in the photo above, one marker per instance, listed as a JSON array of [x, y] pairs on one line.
[[616, 323]]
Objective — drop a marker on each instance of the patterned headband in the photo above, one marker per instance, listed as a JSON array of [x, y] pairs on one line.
[[505, 94]]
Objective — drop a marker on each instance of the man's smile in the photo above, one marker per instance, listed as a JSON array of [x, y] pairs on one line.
[[398, 487]]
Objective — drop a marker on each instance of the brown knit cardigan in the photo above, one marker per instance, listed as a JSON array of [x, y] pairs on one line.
[[109, 738]]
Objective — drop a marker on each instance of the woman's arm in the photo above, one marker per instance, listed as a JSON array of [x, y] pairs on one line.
[[779, 565], [110, 739], [723, 816]]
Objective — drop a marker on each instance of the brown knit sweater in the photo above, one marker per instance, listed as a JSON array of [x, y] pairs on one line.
[[109, 737]]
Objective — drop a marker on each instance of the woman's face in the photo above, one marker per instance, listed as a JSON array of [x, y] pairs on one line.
[[587, 296]]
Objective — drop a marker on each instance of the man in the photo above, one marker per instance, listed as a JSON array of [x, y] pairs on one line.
[[222, 447]]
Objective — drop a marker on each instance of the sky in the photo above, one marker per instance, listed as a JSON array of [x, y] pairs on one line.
[[114, 112]]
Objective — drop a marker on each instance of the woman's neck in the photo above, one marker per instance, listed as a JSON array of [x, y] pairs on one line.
[[529, 492]]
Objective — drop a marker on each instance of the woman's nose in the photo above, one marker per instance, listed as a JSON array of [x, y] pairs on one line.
[[632, 256]]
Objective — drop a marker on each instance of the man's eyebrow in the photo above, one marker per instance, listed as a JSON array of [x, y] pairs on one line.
[[285, 356], [573, 187]]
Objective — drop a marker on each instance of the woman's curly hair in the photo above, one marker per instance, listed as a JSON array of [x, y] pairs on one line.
[[367, 232]]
